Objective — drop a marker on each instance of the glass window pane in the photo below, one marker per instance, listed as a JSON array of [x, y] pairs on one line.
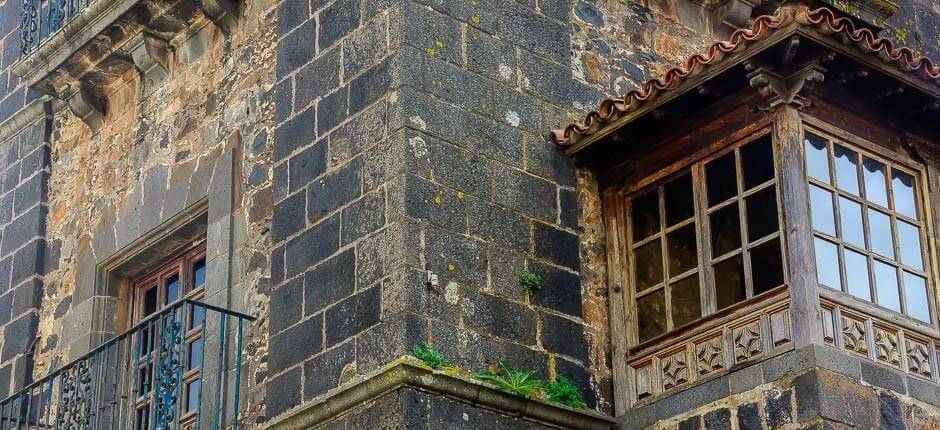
[[761, 214], [879, 227], [766, 266], [150, 301], [856, 274], [725, 230], [172, 288], [645, 215], [683, 254], [875, 188], [195, 354], [721, 180], [197, 315], [909, 243], [886, 284], [822, 211], [853, 230], [679, 200], [199, 273], [649, 265], [686, 302], [817, 158], [651, 315], [915, 296], [729, 282], [903, 186], [846, 162], [757, 162], [192, 395], [827, 264]]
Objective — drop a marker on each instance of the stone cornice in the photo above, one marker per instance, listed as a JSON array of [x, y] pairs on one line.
[[408, 372]]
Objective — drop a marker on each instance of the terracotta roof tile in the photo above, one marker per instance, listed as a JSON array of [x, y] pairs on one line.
[[823, 19]]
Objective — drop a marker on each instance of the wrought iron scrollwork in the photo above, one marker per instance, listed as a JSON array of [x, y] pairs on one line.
[[75, 403], [170, 370], [29, 25]]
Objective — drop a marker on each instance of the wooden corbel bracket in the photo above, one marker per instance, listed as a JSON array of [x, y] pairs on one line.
[[784, 90]]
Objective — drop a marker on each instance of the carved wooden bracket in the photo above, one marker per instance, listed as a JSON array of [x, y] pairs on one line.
[[791, 90]]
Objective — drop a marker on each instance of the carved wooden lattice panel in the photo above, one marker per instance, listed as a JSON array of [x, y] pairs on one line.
[[887, 347], [747, 341], [899, 346], [918, 359], [711, 351], [709, 356], [855, 335], [675, 369]]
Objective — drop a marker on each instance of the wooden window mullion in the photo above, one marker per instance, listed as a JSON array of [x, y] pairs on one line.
[[707, 289]]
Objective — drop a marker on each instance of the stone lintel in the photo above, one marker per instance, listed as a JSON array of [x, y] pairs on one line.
[[408, 372]]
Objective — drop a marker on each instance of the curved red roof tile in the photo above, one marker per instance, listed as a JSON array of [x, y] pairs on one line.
[[823, 19]]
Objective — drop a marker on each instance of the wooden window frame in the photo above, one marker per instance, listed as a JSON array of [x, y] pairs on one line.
[[892, 160], [695, 167], [180, 263]]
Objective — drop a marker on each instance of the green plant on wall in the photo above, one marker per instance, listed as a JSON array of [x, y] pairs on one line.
[[518, 382], [429, 356], [563, 391], [530, 282]]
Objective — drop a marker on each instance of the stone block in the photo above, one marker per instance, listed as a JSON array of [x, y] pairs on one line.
[[561, 290], [287, 304], [27, 261], [476, 351], [296, 344], [497, 224], [27, 296], [883, 376], [718, 420], [426, 201], [318, 78], [296, 48], [334, 190], [526, 28], [388, 340], [455, 257], [332, 109], [306, 165], [370, 86], [23, 229], [695, 423], [283, 100], [778, 407], [365, 46], [329, 282], [457, 168], [328, 370], [363, 217], [435, 34], [289, 216], [283, 392], [563, 336], [500, 317], [338, 20], [353, 315], [30, 193], [746, 378], [490, 57], [18, 336], [293, 134], [312, 246], [504, 268], [558, 246], [524, 193], [749, 416], [892, 414], [362, 131], [553, 82], [290, 14]]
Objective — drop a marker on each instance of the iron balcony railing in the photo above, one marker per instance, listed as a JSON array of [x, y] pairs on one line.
[[41, 19], [178, 369]]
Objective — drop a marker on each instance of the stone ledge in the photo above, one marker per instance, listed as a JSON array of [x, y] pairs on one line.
[[408, 372]]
